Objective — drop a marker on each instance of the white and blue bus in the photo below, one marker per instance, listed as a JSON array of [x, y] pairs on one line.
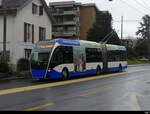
[[62, 58]]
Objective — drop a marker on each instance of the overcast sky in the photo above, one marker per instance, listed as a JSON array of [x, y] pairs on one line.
[[131, 10]]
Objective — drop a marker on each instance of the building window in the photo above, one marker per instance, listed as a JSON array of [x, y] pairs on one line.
[[28, 32], [7, 55], [77, 19], [78, 9], [35, 9], [78, 29], [72, 28], [42, 33], [59, 29], [41, 10], [27, 53]]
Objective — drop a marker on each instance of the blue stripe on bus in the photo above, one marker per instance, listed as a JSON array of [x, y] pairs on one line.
[[38, 73], [116, 68], [57, 75], [74, 74], [54, 75], [68, 42]]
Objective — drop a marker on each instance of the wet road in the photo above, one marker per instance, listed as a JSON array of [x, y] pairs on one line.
[[128, 90]]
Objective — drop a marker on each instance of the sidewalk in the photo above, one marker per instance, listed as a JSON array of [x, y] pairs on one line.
[[14, 76]]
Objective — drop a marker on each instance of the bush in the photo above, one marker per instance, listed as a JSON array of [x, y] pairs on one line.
[[4, 67], [23, 65], [131, 53]]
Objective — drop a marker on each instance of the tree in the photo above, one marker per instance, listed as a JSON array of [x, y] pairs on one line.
[[141, 48], [103, 27], [144, 29], [144, 33]]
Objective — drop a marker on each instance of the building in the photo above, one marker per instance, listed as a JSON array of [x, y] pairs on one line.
[[73, 19], [87, 19], [23, 23]]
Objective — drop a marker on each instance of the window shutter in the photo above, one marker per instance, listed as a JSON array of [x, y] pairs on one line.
[[25, 32], [33, 34], [41, 10]]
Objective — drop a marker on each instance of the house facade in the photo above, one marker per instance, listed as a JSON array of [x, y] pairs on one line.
[[26, 22]]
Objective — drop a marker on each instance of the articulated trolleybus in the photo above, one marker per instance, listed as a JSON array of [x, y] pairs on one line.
[[62, 58]]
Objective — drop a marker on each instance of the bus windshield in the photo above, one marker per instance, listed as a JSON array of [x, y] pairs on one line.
[[40, 58]]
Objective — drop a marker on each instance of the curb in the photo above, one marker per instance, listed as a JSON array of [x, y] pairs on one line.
[[9, 76], [138, 65], [14, 78]]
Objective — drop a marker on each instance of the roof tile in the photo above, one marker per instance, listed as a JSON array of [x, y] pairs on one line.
[[12, 4]]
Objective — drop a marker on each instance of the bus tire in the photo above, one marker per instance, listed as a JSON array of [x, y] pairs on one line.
[[65, 74], [98, 70], [120, 68]]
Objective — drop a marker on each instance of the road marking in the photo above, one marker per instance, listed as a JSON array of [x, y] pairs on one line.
[[134, 100], [41, 86], [96, 91], [39, 107]]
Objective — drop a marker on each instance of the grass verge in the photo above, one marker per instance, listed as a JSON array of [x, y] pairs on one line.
[[136, 61]]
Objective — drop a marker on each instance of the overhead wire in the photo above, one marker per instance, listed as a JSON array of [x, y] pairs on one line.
[[140, 4], [145, 3], [136, 9], [127, 20]]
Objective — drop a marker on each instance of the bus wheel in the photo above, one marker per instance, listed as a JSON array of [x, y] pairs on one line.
[[65, 74], [98, 70], [120, 68]]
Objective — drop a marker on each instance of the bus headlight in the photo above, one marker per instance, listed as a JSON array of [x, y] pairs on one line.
[[49, 70]]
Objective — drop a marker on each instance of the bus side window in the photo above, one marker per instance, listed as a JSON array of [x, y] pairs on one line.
[[99, 57], [67, 54], [110, 56], [93, 55], [57, 57]]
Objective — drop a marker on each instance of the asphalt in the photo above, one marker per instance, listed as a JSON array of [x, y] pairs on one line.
[[128, 91]]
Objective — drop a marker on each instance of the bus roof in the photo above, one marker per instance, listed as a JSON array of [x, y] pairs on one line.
[[115, 47], [81, 43], [78, 43], [89, 44]]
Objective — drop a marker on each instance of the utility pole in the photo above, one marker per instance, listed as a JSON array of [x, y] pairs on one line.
[[4, 37], [121, 28]]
